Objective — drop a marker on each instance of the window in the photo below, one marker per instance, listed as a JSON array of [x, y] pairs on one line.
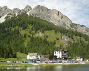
[[55, 52]]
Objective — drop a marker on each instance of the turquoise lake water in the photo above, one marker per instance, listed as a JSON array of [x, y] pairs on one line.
[[83, 67]]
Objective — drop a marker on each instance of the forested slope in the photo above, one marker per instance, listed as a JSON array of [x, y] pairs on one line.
[[27, 34]]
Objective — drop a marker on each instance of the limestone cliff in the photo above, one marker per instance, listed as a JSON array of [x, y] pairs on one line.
[[54, 16]]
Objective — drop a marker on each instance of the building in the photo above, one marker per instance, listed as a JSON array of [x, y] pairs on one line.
[[33, 56], [61, 54], [80, 59]]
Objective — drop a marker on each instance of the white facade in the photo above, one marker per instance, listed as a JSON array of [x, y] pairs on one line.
[[33, 56], [61, 53], [79, 59], [27, 56], [58, 54]]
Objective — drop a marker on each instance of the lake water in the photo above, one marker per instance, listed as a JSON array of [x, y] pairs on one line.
[[83, 67]]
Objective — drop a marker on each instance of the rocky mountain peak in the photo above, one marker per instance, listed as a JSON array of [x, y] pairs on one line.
[[4, 10], [27, 8], [40, 8], [5, 7], [16, 11], [53, 16]]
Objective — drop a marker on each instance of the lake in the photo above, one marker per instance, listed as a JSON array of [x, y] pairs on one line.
[[82, 67]]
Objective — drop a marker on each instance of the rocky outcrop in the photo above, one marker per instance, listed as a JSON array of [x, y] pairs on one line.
[[3, 18], [66, 38], [54, 16], [4, 10], [27, 8], [16, 11], [80, 28]]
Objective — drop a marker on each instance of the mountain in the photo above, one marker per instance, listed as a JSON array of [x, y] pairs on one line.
[[37, 31], [25, 34], [54, 16]]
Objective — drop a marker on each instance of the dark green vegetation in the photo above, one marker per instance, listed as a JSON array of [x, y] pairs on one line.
[[31, 34]]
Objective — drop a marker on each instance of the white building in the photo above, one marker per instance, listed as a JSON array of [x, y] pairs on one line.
[[33, 56], [61, 53], [80, 59]]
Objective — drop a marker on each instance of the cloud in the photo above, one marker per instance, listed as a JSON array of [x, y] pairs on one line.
[[76, 10]]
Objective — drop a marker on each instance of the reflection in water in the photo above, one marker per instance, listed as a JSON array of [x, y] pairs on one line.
[[34, 68], [14, 68], [58, 68], [30, 68], [84, 67], [18, 68], [8, 68]]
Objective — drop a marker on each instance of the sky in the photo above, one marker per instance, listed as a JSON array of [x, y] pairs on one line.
[[76, 10]]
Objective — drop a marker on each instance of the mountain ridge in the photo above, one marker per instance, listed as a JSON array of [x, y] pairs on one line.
[[54, 16]]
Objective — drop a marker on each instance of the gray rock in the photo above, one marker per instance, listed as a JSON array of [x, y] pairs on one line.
[[16, 11], [27, 8], [66, 38], [54, 16], [80, 28], [23, 11], [5, 10]]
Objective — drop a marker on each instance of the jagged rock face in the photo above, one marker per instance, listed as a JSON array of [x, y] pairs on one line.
[[44, 13], [53, 16], [27, 8], [81, 28], [84, 30], [4, 10], [16, 11]]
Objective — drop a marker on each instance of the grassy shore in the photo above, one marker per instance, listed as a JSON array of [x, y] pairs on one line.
[[34, 64], [14, 65]]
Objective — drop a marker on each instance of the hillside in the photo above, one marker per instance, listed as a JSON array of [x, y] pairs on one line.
[[53, 16], [26, 34]]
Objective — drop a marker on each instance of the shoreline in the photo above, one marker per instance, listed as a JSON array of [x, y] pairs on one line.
[[35, 64]]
